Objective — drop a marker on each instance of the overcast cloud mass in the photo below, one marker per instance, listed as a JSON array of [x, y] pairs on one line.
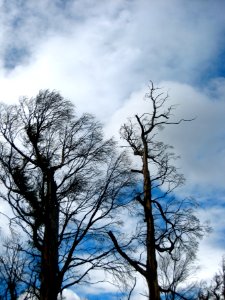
[[102, 54]]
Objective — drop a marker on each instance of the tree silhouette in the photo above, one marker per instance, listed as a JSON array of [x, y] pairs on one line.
[[165, 224], [64, 183]]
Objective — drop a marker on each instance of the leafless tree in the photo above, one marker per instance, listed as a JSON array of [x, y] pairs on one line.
[[175, 274], [64, 183], [13, 268], [215, 289], [164, 224]]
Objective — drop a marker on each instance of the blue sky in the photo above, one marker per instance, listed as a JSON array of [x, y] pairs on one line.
[[102, 54]]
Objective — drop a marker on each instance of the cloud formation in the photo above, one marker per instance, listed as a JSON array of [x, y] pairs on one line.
[[98, 53]]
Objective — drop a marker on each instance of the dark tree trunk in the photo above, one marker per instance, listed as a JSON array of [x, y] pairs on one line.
[[151, 264], [12, 290], [49, 261]]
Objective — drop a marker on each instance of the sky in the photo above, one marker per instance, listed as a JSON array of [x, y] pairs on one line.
[[102, 54]]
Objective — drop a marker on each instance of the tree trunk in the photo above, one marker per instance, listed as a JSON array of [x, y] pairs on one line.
[[49, 257], [152, 274], [151, 264], [12, 290]]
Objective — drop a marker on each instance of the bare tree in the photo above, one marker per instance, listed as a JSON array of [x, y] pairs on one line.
[[175, 274], [13, 268], [165, 224], [215, 289], [64, 183]]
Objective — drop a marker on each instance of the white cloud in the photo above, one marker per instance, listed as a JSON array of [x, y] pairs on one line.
[[70, 295], [99, 54], [67, 295], [211, 249], [200, 142]]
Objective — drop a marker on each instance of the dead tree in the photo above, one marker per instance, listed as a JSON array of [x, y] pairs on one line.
[[164, 223], [63, 182]]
